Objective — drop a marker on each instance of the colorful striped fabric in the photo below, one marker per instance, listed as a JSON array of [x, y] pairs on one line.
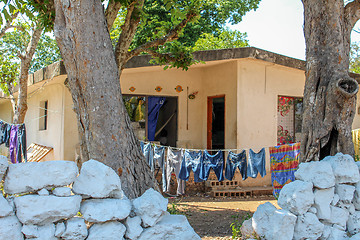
[[284, 161]]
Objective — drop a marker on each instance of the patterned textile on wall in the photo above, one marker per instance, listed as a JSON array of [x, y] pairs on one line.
[[284, 161], [285, 116], [356, 141]]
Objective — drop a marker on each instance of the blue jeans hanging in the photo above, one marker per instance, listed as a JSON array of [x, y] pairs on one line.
[[256, 163], [192, 160], [236, 161], [216, 162]]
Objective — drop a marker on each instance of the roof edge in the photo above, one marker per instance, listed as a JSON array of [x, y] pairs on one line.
[[58, 68]]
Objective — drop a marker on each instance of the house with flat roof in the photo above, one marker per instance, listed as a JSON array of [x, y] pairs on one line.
[[244, 98]]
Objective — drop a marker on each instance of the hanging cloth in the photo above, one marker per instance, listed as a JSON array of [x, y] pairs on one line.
[[215, 162], [13, 143], [236, 161], [149, 155], [21, 143], [256, 163], [284, 161], [154, 105], [159, 158], [192, 160], [173, 164]]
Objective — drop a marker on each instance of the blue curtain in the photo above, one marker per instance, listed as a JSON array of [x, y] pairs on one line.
[[154, 105]]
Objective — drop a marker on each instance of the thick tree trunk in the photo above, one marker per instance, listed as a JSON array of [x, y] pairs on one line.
[[330, 94], [104, 126]]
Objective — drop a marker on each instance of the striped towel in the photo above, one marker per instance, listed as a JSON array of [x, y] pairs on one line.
[[284, 161]]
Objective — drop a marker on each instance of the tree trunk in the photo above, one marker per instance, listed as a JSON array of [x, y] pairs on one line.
[[104, 126], [330, 94], [21, 105]]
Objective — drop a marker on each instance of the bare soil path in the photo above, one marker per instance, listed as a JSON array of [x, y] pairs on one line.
[[211, 217]]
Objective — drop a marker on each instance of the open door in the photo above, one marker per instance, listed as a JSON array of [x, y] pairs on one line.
[[216, 122]]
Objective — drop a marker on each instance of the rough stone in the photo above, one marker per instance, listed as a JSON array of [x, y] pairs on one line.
[[313, 210], [319, 173], [174, 227], [96, 180], [46, 232], [344, 168], [150, 207], [308, 227], [43, 192], [4, 164], [355, 237], [345, 192], [337, 234], [133, 227], [59, 229], [335, 200], [353, 223], [326, 232], [75, 229], [33, 176], [5, 208], [297, 197], [271, 223], [34, 209], [322, 200], [112, 230], [246, 229], [356, 200], [62, 192], [339, 216], [102, 210], [30, 231], [10, 228]]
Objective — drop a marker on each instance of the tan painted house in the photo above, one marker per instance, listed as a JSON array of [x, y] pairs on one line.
[[233, 101]]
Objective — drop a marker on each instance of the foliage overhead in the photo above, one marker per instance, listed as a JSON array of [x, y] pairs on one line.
[[225, 39]]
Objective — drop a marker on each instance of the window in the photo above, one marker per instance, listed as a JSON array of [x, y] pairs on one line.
[[289, 119], [43, 115]]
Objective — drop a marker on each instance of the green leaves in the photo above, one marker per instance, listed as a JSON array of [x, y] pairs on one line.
[[224, 39]]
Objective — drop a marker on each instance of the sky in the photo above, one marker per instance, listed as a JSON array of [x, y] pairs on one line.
[[277, 26]]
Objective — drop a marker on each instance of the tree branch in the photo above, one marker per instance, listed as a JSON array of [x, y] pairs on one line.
[[8, 24], [128, 32], [352, 13], [21, 109], [111, 12], [172, 35]]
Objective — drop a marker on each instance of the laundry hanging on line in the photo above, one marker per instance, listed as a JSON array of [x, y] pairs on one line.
[[14, 137], [256, 163], [284, 161]]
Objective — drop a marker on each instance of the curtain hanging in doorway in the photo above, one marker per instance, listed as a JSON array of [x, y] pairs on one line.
[[154, 105]]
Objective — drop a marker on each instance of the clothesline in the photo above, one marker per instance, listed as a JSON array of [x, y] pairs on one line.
[[197, 149]]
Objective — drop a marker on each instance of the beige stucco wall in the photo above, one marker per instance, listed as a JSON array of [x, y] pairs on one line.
[[259, 84], [145, 80], [53, 136]]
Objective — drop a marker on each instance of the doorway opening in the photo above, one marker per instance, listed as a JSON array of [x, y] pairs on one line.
[[216, 122]]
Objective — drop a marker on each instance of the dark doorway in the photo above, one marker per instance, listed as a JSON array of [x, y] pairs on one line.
[[216, 122], [166, 128]]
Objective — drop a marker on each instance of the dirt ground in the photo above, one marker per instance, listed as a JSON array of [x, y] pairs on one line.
[[211, 217]]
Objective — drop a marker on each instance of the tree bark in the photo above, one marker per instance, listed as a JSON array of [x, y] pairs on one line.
[[104, 126], [330, 93], [21, 103]]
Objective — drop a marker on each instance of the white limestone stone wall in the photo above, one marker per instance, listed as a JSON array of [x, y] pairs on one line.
[[322, 203], [39, 204]]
